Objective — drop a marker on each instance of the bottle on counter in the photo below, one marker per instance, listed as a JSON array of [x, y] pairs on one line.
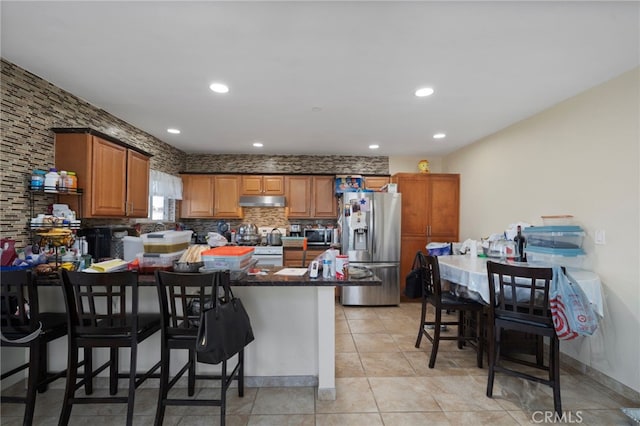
[[520, 241]]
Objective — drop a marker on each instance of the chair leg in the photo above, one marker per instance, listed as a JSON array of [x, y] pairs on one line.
[[422, 317], [165, 354], [132, 383], [88, 370], [436, 338], [494, 344], [32, 383], [42, 365], [113, 371], [191, 375], [461, 328], [69, 391], [241, 373], [554, 360], [223, 393]]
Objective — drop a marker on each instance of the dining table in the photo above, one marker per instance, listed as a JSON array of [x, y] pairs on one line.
[[468, 275]]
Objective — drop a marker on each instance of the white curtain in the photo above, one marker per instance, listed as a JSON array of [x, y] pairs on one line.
[[165, 185]]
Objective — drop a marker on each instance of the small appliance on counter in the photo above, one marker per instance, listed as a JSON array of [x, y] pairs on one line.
[[106, 242], [295, 230]]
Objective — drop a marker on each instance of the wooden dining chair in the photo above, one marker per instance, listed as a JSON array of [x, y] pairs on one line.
[[433, 295], [176, 293], [102, 312], [24, 326], [521, 295]]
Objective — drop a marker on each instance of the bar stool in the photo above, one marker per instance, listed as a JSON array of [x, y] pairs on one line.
[[99, 317], [28, 329], [432, 295], [176, 292]]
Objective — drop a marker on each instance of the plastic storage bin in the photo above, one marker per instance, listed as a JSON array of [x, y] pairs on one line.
[[166, 241], [573, 258], [557, 237], [557, 220], [149, 262], [227, 257], [438, 249]]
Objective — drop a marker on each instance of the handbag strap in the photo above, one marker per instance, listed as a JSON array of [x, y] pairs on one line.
[[418, 261], [221, 279]]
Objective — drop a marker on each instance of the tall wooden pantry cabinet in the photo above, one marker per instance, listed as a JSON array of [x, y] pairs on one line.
[[430, 213]]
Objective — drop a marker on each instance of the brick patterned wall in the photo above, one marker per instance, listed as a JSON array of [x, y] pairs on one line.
[[31, 106], [295, 164]]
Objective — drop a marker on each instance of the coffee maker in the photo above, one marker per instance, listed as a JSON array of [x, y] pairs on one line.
[[295, 230]]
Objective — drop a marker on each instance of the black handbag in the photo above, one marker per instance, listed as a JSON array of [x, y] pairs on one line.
[[225, 328], [415, 278]]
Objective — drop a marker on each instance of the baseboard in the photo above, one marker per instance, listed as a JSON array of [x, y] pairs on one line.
[[568, 362]]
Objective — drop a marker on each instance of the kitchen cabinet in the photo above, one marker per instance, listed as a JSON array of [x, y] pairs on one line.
[[115, 177], [375, 183], [210, 196], [293, 257], [197, 196], [262, 185], [311, 197], [226, 196], [430, 212]]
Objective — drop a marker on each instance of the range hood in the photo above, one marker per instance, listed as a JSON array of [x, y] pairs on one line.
[[261, 201]]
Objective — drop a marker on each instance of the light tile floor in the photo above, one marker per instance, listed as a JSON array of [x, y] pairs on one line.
[[381, 379]]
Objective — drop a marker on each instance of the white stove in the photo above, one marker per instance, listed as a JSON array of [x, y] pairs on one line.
[[269, 255]]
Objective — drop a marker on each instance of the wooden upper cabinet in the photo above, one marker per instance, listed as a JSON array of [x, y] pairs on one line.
[[226, 195], [114, 178], [137, 184], [311, 197], [262, 185], [197, 196], [375, 183], [298, 196], [210, 196], [324, 200]]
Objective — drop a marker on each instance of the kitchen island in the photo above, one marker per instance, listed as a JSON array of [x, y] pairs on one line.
[[293, 319]]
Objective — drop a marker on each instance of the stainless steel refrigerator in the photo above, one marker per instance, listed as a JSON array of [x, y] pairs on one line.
[[370, 225]]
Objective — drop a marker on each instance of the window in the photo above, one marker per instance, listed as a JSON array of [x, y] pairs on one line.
[[164, 190]]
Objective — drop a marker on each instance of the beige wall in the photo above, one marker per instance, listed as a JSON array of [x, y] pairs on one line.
[[580, 157]]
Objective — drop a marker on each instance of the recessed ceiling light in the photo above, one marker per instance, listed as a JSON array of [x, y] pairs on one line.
[[424, 91], [174, 131], [439, 136], [219, 87], [374, 146], [258, 144]]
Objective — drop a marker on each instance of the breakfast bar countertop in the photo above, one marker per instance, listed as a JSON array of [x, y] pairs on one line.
[[269, 278]]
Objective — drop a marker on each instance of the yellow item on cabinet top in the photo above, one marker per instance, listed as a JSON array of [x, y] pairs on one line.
[[423, 166]]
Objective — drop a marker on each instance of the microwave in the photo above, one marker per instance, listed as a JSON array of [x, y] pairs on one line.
[[318, 236]]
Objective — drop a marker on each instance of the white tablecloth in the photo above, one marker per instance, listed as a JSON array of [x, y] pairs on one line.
[[471, 272]]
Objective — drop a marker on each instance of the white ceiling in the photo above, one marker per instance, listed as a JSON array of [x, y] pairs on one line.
[[491, 64]]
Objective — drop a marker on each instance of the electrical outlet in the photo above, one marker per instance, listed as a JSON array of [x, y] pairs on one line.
[[600, 237]]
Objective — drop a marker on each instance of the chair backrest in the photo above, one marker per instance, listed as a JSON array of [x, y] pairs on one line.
[[19, 303], [520, 292], [97, 303], [182, 297], [432, 284]]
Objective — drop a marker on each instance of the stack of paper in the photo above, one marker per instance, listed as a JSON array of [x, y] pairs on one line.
[[112, 265]]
